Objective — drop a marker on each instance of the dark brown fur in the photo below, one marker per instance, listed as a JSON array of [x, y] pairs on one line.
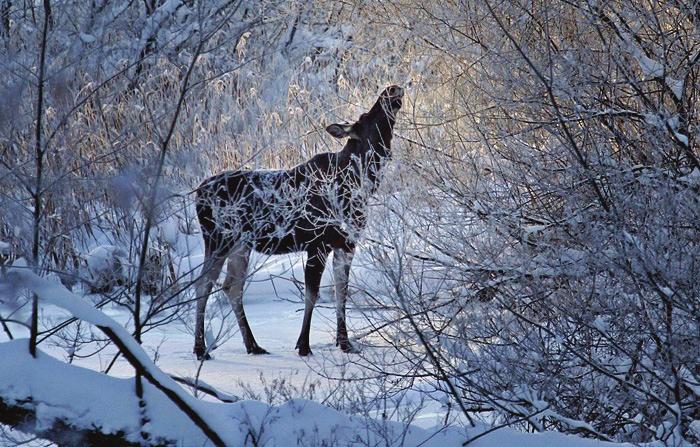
[[317, 206]]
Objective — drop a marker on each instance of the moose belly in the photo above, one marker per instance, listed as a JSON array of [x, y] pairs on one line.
[[276, 245], [300, 239]]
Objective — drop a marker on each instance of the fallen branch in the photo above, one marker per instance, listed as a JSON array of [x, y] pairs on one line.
[[207, 389], [58, 295], [22, 415]]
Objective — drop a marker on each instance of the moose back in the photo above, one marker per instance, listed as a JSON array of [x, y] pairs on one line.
[[318, 206]]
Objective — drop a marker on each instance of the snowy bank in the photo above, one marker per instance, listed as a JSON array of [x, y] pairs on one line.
[[57, 393]]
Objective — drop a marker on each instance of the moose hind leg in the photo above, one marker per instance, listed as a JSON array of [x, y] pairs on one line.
[[341, 270], [315, 264], [236, 272], [210, 272]]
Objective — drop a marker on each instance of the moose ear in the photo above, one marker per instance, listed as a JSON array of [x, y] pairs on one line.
[[339, 130]]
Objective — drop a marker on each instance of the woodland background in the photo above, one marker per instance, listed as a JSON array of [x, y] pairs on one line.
[[533, 256]]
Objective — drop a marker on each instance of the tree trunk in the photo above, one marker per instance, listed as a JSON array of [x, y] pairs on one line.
[[22, 415]]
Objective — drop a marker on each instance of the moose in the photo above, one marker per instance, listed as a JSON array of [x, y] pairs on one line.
[[318, 206]]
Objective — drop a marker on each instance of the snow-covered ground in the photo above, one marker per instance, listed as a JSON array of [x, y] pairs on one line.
[[273, 305], [97, 400]]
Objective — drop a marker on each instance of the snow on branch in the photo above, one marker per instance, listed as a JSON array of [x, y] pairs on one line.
[[76, 406], [56, 294], [203, 387], [71, 405], [60, 401]]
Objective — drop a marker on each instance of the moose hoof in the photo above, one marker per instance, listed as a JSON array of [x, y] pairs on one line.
[[346, 347], [256, 350], [201, 356], [304, 351]]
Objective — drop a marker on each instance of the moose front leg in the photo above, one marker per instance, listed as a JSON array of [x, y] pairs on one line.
[[315, 264], [341, 270], [211, 268]]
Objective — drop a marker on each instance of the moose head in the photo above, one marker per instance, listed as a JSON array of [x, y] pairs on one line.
[[373, 129]]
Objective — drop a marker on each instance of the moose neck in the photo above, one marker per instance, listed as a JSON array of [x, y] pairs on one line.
[[377, 146], [382, 131]]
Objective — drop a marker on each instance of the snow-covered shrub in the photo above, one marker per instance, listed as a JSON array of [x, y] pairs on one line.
[[535, 247], [114, 74], [104, 269], [541, 262]]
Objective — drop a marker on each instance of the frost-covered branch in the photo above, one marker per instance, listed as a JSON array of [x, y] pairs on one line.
[[57, 295]]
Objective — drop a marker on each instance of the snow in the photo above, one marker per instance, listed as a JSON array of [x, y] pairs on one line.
[[676, 86], [98, 400], [653, 119], [670, 123], [653, 69], [695, 426], [92, 399], [101, 258], [328, 69], [87, 38], [650, 67], [54, 293], [169, 231], [681, 137], [533, 229], [693, 177], [600, 324]]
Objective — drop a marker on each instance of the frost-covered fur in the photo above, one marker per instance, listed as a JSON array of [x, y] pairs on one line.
[[317, 206]]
